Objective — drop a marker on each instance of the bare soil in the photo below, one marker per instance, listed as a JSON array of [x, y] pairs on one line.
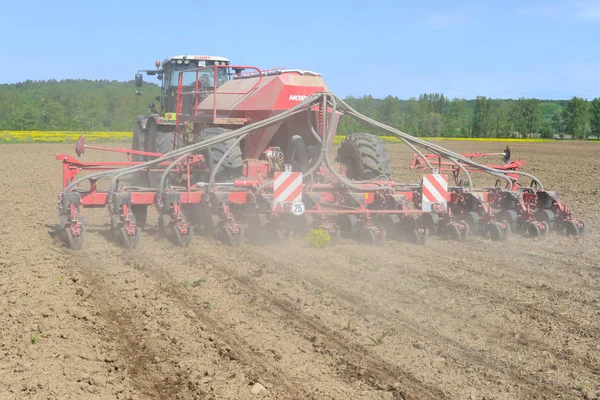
[[469, 320]]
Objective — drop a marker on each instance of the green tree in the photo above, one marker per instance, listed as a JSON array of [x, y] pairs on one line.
[[482, 117], [575, 117], [431, 125], [456, 118], [526, 116], [557, 123], [546, 130], [595, 117], [499, 119]]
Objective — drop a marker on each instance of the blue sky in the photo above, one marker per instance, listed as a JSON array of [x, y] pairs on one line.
[[500, 49]]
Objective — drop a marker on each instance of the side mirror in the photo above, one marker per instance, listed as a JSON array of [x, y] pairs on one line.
[[157, 98], [138, 80], [159, 77]]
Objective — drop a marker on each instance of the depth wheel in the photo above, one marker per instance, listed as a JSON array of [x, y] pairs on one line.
[[335, 236], [75, 242], [453, 232], [179, 239], [495, 232], [508, 217], [127, 241], [545, 216], [420, 236], [533, 229], [571, 228], [228, 238], [472, 219], [582, 228], [466, 232]]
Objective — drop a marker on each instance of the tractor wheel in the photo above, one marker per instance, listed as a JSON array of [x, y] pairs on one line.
[[160, 138], [138, 142], [231, 168], [364, 156]]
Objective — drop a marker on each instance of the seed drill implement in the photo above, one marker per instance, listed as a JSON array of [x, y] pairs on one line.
[[235, 152]]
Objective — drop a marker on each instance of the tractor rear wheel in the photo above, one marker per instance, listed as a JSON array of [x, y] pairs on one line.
[[231, 167], [364, 156]]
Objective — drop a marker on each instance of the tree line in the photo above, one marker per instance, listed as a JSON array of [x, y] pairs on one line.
[[102, 105], [436, 115], [73, 105]]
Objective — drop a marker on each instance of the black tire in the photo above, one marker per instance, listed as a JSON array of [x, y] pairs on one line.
[[364, 156], [495, 232], [533, 229], [508, 216], [138, 142], [472, 219], [571, 228], [545, 216], [420, 238], [76, 243], [466, 232], [159, 138], [231, 168], [453, 232], [582, 228]]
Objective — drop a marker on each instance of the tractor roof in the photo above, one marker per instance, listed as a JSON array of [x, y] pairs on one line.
[[196, 58]]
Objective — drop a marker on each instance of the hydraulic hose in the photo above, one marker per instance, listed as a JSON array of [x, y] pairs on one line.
[[429, 146], [325, 98]]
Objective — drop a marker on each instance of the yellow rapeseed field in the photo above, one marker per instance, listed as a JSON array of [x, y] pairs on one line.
[[61, 136], [70, 136], [393, 139]]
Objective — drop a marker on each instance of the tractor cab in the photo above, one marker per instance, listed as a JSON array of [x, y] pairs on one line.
[[168, 72]]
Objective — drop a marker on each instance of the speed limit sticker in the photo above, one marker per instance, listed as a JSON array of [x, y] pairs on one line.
[[298, 208]]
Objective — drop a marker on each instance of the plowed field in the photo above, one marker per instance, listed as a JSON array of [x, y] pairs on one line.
[[450, 320]]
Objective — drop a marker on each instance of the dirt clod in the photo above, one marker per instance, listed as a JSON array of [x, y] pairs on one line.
[[257, 389]]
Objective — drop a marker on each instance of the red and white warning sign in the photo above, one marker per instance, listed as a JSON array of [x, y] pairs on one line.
[[435, 192], [287, 189]]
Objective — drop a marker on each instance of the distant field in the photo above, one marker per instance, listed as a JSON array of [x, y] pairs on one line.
[[68, 136]]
